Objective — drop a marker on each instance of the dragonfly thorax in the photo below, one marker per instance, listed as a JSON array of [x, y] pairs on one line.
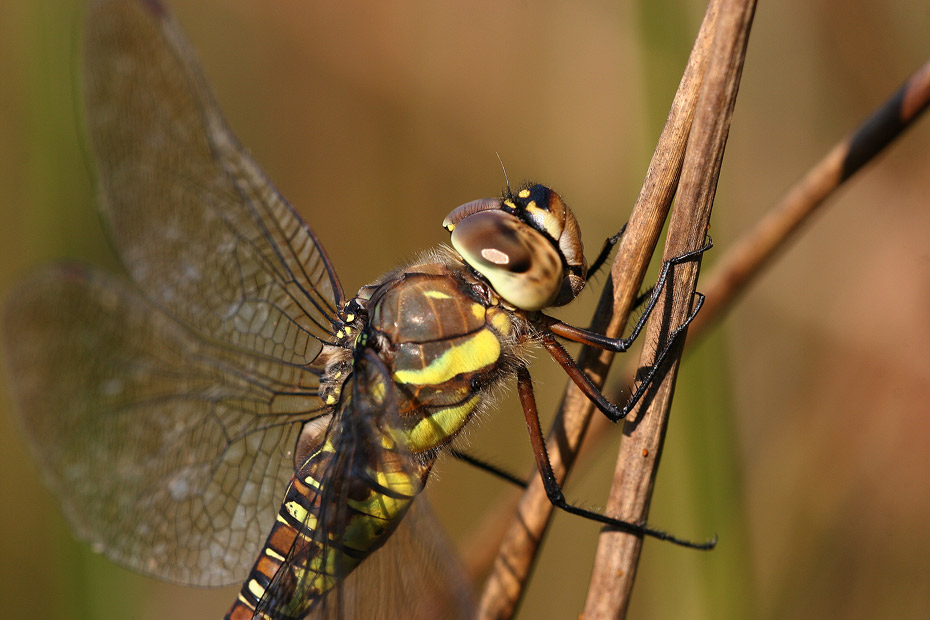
[[446, 340]]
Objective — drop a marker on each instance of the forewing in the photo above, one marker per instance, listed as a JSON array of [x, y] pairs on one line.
[[200, 229], [169, 453]]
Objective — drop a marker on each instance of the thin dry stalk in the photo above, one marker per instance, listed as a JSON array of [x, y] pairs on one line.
[[514, 561], [742, 263], [755, 249], [618, 554], [739, 266]]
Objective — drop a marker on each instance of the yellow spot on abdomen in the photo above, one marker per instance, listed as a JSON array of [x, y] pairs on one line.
[[256, 589], [297, 511]]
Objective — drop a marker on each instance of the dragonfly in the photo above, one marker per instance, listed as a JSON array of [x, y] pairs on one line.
[[226, 413]]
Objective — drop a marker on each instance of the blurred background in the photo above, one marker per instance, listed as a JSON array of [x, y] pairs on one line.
[[800, 430]]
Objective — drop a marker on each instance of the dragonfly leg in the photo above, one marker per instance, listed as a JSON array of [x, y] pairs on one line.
[[489, 468], [620, 345], [554, 491], [643, 297], [584, 383], [609, 244], [553, 327]]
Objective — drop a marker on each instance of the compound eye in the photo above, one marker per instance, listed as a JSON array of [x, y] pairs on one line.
[[520, 263]]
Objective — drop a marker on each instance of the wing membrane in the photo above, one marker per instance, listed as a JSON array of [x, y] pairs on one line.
[[417, 575], [170, 453], [371, 475], [198, 226]]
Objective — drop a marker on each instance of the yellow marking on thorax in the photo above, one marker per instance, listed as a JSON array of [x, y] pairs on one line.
[[271, 553], [474, 353], [381, 506], [437, 295], [387, 442], [500, 321], [435, 430], [326, 446]]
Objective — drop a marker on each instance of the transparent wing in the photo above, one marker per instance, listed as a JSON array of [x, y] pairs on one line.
[[170, 453], [198, 226], [416, 574], [165, 414]]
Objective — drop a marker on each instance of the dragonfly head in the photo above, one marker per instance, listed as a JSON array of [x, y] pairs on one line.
[[526, 244]]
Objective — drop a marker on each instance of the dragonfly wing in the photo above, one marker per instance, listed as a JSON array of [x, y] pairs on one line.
[[197, 224], [169, 452], [361, 486], [417, 575]]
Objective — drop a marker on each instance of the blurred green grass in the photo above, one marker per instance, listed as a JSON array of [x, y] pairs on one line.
[[799, 432]]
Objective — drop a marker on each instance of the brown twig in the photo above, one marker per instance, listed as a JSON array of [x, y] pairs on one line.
[[514, 561], [618, 554], [744, 260], [741, 264]]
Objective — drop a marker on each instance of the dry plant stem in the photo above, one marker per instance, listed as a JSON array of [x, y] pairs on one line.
[[757, 248], [743, 261], [618, 554], [478, 555], [740, 264], [514, 561]]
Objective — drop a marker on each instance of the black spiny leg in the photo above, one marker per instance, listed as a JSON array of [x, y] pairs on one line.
[[554, 491], [489, 468], [618, 345], [609, 244]]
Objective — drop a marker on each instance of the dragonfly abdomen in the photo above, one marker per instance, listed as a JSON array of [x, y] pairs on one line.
[[328, 525]]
